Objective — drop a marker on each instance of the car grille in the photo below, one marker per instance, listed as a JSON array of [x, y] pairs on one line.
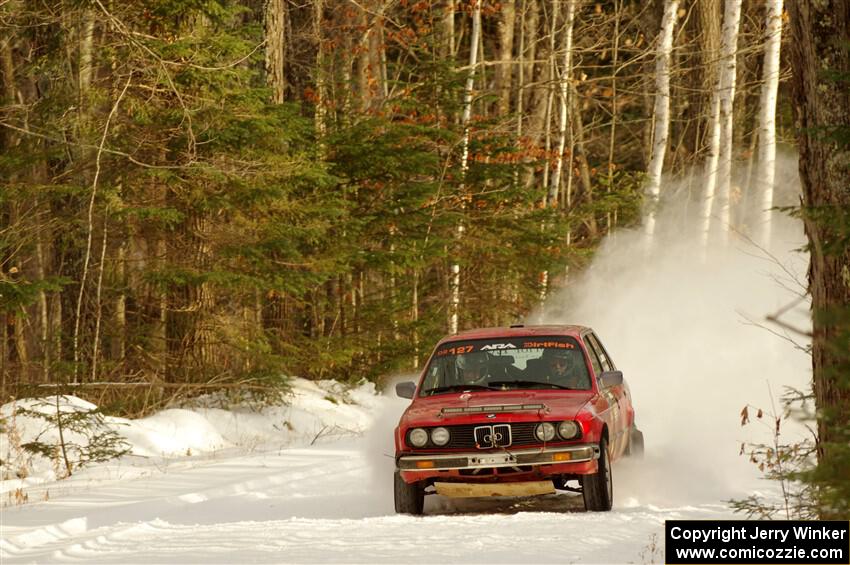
[[463, 437]]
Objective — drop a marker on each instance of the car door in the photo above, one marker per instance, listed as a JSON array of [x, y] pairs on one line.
[[606, 402], [618, 398]]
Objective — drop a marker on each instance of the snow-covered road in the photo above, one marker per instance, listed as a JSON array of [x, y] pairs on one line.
[[325, 503]]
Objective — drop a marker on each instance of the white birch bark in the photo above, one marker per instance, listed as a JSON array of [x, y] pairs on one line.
[[564, 84], [721, 98], [767, 117], [320, 115], [661, 125], [454, 306], [731, 22], [551, 197]]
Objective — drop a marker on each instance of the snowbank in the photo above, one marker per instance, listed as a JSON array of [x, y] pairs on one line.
[[315, 412]]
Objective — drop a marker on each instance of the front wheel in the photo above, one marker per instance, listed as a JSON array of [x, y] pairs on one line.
[[598, 489], [409, 499]]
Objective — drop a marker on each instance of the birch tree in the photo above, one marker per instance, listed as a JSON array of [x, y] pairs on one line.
[[731, 23], [661, 124], [551, 198], [454, 306], [767, 116], [563, 99], [721, 100]]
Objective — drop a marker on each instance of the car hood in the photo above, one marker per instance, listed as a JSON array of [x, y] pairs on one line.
[[557, 404]]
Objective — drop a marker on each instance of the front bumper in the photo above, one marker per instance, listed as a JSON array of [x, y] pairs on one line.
[[493, 459]]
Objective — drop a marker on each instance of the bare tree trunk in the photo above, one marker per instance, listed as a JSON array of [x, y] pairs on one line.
[[731, 23], [719, 93], [362, 62], [414, 316], [822, 106], [43, 308], [520, 91], [86, 49], [530, 39], [611, 218], [275, 16], [504, 72], [159, 332], [454, 305], [550, 93], [7, 63], [767, 117], [661, 126], [376, 57], [541, 80], [98, 299], [709, 18], [118, 347], [447, 49], [56, 325], [581, 157], [321, 94], [564, 94]]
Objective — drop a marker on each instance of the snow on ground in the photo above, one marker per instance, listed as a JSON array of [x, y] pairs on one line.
[[255, 490]]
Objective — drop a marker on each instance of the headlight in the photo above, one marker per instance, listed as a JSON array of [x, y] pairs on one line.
[[544, 431], [418, 437], [440, 436], [568, 429]]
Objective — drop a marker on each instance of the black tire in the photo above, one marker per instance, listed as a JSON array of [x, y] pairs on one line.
[[635, 447], [598, 488], [409, 499]]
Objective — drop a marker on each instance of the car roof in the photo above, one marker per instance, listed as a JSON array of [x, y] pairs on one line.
[[518, 331]]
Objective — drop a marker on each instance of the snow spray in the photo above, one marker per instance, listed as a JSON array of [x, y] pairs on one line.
[[688, 329]]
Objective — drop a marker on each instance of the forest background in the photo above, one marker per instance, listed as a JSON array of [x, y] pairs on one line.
[[228, 191]]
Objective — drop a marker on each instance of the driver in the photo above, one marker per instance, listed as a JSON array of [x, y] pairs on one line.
[[474, 367], [562, 367]]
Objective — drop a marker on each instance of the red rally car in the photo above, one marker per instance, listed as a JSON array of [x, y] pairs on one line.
[[514, 411]]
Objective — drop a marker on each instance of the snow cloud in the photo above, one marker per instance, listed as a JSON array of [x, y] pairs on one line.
[[683, 325]]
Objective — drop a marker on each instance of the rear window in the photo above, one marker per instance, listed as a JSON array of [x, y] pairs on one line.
[[506, 364]]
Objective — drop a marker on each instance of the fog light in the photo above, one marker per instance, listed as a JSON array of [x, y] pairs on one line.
[[425, 464], [562, 456]]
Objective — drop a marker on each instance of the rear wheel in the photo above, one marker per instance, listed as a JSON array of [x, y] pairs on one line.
[[409, 498], [635, 447], [598, 488]]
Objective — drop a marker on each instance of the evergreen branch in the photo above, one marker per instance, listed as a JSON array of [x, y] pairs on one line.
[[106, 150]]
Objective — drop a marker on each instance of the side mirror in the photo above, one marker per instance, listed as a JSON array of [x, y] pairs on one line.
[[611, 378], [408, 388]]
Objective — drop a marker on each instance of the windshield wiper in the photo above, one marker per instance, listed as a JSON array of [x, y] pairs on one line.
[[528, 384], [450, 388]]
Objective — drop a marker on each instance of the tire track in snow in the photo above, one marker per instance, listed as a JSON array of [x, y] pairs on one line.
[[542, 537], [122, 503]]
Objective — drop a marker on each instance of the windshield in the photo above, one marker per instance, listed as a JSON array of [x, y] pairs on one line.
[[507, 364]]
